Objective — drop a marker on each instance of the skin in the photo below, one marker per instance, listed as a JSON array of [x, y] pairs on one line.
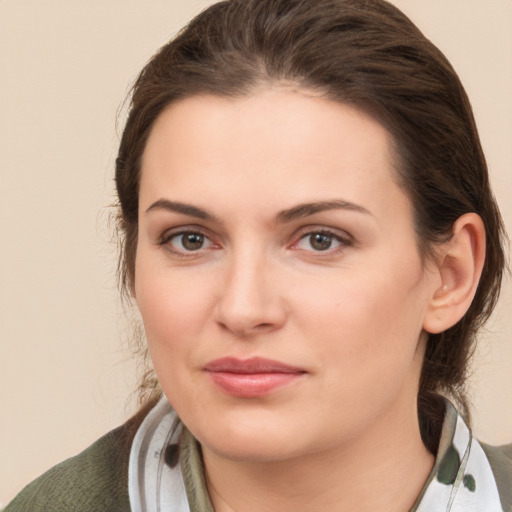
[[345, 435]]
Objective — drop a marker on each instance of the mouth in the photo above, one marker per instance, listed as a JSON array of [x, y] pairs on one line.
[[251, 378]]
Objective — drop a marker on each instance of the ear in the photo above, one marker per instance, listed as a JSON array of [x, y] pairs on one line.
[[459, 266]]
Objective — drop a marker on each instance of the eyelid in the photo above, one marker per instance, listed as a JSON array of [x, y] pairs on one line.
[[343, 237], [167, 234], [165, 238], [320, 228]]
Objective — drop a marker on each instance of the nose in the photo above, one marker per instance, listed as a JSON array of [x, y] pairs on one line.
[[250, 301]]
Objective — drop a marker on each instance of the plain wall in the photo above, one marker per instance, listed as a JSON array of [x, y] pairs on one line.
[[66, 374]]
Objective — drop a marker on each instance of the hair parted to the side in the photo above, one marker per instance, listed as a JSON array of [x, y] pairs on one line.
[[365, 53]]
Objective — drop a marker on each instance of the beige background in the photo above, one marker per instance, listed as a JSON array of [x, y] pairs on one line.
[[65, 66]]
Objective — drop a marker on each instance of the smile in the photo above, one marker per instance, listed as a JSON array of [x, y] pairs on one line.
[[251, 378]]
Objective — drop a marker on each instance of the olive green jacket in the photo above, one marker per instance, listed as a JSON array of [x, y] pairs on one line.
[[97, 479]]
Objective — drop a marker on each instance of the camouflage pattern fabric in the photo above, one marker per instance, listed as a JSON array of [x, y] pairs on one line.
[[462, 479]]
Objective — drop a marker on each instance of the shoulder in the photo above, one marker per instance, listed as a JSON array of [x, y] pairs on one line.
[[500, 460], [96, 479]]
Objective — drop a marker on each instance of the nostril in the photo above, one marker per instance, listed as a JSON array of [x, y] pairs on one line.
[[246, 329], [263, 326]]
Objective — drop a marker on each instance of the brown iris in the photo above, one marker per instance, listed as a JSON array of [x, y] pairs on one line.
[[192, 241], [320, 241]]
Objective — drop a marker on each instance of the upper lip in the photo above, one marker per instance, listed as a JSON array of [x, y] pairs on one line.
[[252, 365]]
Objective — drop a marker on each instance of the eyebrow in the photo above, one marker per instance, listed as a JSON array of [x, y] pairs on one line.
[[296, 212], [184, 208], [305, 210]]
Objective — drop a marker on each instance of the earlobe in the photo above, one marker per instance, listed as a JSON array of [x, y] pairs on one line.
[[460, 264]]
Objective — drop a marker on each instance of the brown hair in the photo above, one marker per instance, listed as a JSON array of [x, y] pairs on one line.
[[364, 53]]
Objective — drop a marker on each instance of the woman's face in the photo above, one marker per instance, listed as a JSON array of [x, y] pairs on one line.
[[278, 275]]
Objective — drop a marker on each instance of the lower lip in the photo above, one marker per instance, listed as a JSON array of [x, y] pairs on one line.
[[251, 385]]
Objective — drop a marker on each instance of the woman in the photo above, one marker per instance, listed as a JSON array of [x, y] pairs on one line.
[[312, 243]]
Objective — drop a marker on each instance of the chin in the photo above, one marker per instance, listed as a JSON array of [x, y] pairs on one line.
[[256, 441], [251, 450]]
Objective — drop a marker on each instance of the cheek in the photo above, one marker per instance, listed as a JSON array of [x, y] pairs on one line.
[[366, 342], [173, 311], [173, 306], [369, 323]]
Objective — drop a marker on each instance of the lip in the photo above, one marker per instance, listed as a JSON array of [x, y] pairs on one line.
[[251, 378]]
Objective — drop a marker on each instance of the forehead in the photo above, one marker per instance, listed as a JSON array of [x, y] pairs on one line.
[[273, 146]]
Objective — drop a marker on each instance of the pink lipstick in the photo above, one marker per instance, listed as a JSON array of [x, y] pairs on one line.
[[251, 378]]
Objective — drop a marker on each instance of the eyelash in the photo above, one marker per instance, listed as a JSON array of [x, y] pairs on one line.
[[343, 242], [166, 239]]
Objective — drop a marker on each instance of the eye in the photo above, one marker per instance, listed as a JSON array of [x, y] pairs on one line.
[[321, 241], [188, 241]]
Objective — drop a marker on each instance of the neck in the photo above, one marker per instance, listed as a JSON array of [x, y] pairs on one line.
[[384, 470]]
